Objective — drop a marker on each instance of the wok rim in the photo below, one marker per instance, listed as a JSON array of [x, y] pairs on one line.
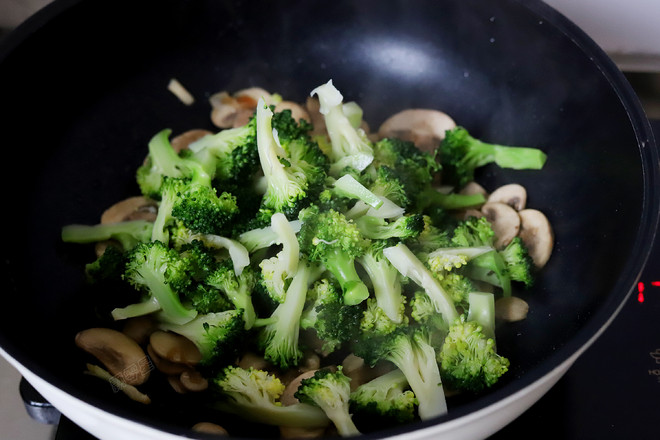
[[596, 324]]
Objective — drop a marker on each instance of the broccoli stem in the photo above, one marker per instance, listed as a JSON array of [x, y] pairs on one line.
[[386, 285], [342, 266], [342, 421], [299, 415], [138, 309], [432, 197], [127, 233], [410, 266]]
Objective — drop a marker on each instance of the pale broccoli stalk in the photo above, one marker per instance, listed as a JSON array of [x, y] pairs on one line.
[[386, 397], [265, 237], [350, 146], [279, 339], [128, 234], [254, 395], [330, 391], [238, 289], [286, 184], [386, 281], [348, 186], [278, 270], [482, 311], [410, 266]]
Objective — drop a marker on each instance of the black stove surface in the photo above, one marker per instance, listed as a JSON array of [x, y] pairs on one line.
[[611, 392]]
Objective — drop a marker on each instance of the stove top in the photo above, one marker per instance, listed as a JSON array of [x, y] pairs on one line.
[[611, 392]]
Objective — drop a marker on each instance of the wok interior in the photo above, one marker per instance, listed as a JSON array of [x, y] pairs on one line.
[[88, 90]]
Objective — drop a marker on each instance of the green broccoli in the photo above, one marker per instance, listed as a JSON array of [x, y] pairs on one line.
[[410, 349], [218, 336], [386, 399], [385, 279], [468, 359], [162, 274], [461, 154], [278, 271], [128, 234], [330, 238], [279, 340], [404, 227], [330, 391], [335, 323], [430, 239], [254, 395], [238, 288], [519, 263], [107, 268], [350, 147]]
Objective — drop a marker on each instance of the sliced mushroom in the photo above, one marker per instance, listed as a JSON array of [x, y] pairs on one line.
[[209, 428], [425, 127], [175, 348], [164, 366], [297, 111], [253, 360], [129, 390], [313, 107], [513, 194], [175, 383], [121, 355], [192, 380], [235, 110], [309, 361], [473, 188], [139, 329], [511, 309], [504, 220], [537, 235], [182, 141], [132, 208], [294, 432], [288, 397]]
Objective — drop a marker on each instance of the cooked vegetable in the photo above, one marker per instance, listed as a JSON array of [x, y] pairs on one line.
[[274, 248]]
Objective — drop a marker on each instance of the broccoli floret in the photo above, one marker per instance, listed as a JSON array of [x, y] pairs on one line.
[[405, 227], [330, 391], [237, 288], [409, 265], [163, 161], [230, 154], [445, 259], [201, 209], [107, 268], [328, 237], [415, 169], [386, 281], [386, 399], [254, 395], [387, 183], [218, 336], [207, 299], [287, 182], [162, 274], [461, 154], [519, 263], [278, 271], [350, 146], [200, 258], [410, 349], [128, 234], [430, 239], [335, 323], [473, 232], [468, 359], [279, 339], [375, 320]]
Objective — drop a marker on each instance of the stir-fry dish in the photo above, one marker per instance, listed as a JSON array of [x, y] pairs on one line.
[[304, 272]]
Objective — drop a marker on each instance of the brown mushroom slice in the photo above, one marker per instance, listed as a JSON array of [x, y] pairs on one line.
[[253, 360], [297, 111], [121, 355], [511, 309], [425, 127], [295, 432], [176, 384], [139, 328], [183, 140], [288, 398], [165, 366], [513, 194], [504, 220], [472, 188], [313, 107], [209, 428], [537, 235], [192, 380], [175, 348], [132, 208]]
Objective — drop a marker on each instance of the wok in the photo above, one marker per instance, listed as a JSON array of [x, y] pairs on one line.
[[83, 86]]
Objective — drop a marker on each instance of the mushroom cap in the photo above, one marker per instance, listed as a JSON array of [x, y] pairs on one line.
[[183, 140], [298, 112], [120, 354], [425, 127], [504, 220], [513, 194], [174, 348], [132, 208], [537, 235], [511, 308]]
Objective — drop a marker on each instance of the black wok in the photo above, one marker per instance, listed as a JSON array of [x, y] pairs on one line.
[[83, 87]]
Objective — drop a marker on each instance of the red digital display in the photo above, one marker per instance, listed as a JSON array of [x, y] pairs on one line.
[[641, 288]]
